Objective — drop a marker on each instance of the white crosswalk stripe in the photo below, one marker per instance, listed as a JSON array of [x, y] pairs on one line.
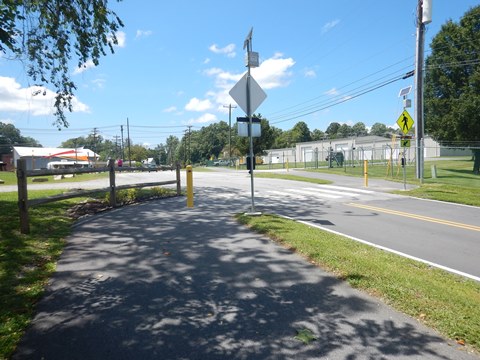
[[316, 193], [320, 192]]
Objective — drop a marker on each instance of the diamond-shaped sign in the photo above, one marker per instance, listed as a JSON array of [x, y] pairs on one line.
[[239, 94], [405, 122]]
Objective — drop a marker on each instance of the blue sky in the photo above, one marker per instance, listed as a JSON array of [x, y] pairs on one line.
[[177, 60]]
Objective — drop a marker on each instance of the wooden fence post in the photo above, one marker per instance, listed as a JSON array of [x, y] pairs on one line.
[[23, 196], [113, 195], [179, 185]]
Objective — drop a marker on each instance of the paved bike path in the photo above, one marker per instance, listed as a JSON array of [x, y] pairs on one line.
[[160, 281]]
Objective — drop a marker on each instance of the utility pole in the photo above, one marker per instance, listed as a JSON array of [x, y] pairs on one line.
[[230, 107], [424, 16], [95, 146], [185, 147], [116, 146], [123, 151], [129, 141]]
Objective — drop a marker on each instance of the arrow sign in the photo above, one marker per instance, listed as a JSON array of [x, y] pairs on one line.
[[239, 94]]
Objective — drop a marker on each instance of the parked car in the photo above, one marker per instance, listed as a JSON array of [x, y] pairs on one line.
[[221, 162]]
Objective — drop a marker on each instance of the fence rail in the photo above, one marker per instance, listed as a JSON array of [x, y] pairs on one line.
[[23, 174]]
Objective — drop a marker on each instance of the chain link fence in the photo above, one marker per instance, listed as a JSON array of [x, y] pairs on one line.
[[386, 161]]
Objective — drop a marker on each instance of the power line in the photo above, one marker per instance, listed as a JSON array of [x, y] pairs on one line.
[[348, 98]]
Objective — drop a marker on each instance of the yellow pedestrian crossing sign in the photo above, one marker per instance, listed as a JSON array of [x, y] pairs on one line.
[[405, 122]]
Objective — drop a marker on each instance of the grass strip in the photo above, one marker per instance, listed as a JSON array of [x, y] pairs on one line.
[[10, 178], [442, 192], [268, 175], [445, 302], [27, 261]]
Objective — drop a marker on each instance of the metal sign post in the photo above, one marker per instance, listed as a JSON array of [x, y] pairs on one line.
[[249, 100]]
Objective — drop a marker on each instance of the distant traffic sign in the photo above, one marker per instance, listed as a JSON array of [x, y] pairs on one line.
[[405, 122]]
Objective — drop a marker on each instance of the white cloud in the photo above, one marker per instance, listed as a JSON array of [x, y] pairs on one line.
[[35, 100], [198, 105], [330, 25], [84, 67], [143, 33], [170, 109], [228, 50], [274, 72], [99, 83], [206, 61], [331, 92], [121, 39], [310, 74], [205, 118]]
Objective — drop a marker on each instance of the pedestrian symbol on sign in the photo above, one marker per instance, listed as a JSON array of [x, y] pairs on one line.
[[405, 122]]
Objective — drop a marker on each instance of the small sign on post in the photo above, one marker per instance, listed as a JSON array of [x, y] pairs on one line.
[[242, 127]]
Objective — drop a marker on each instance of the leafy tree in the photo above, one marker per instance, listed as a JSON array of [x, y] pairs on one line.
[[317, 135], [212, 139], [379, 129], [359, 129], [344, 131], [46, 34], [452, 83], [161, 154], [282, 139], [11, 136], [172, 143], [332, 130], [301, 133], [279, 139], [138, 152], [260, 144]]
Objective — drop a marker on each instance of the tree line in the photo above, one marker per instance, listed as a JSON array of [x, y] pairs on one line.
[[210, 142]]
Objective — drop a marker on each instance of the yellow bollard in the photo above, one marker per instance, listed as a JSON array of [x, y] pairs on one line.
[[365, 171], [189, 186]]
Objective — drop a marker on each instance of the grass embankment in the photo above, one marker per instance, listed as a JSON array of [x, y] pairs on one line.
[[10, 178], [443, 192], [445, 302], [28, 261]]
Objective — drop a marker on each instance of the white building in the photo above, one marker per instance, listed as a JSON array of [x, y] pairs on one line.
[[39, 157], [371, 148]]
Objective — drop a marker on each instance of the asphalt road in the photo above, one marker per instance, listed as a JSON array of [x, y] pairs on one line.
[[443, 234], [160, 281]]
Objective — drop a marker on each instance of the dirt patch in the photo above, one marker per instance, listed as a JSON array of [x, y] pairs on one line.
[[95, 206], [87, 207]]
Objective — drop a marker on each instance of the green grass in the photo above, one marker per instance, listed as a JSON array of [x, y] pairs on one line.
[[10, 178], [449, 193], [445, 302], [28, 261], [291, 177], [454, 172]]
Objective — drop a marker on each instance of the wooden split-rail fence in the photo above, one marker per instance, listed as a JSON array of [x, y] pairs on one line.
[[23, 174]]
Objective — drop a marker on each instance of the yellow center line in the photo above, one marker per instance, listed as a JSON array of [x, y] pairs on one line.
[[418, 217]]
